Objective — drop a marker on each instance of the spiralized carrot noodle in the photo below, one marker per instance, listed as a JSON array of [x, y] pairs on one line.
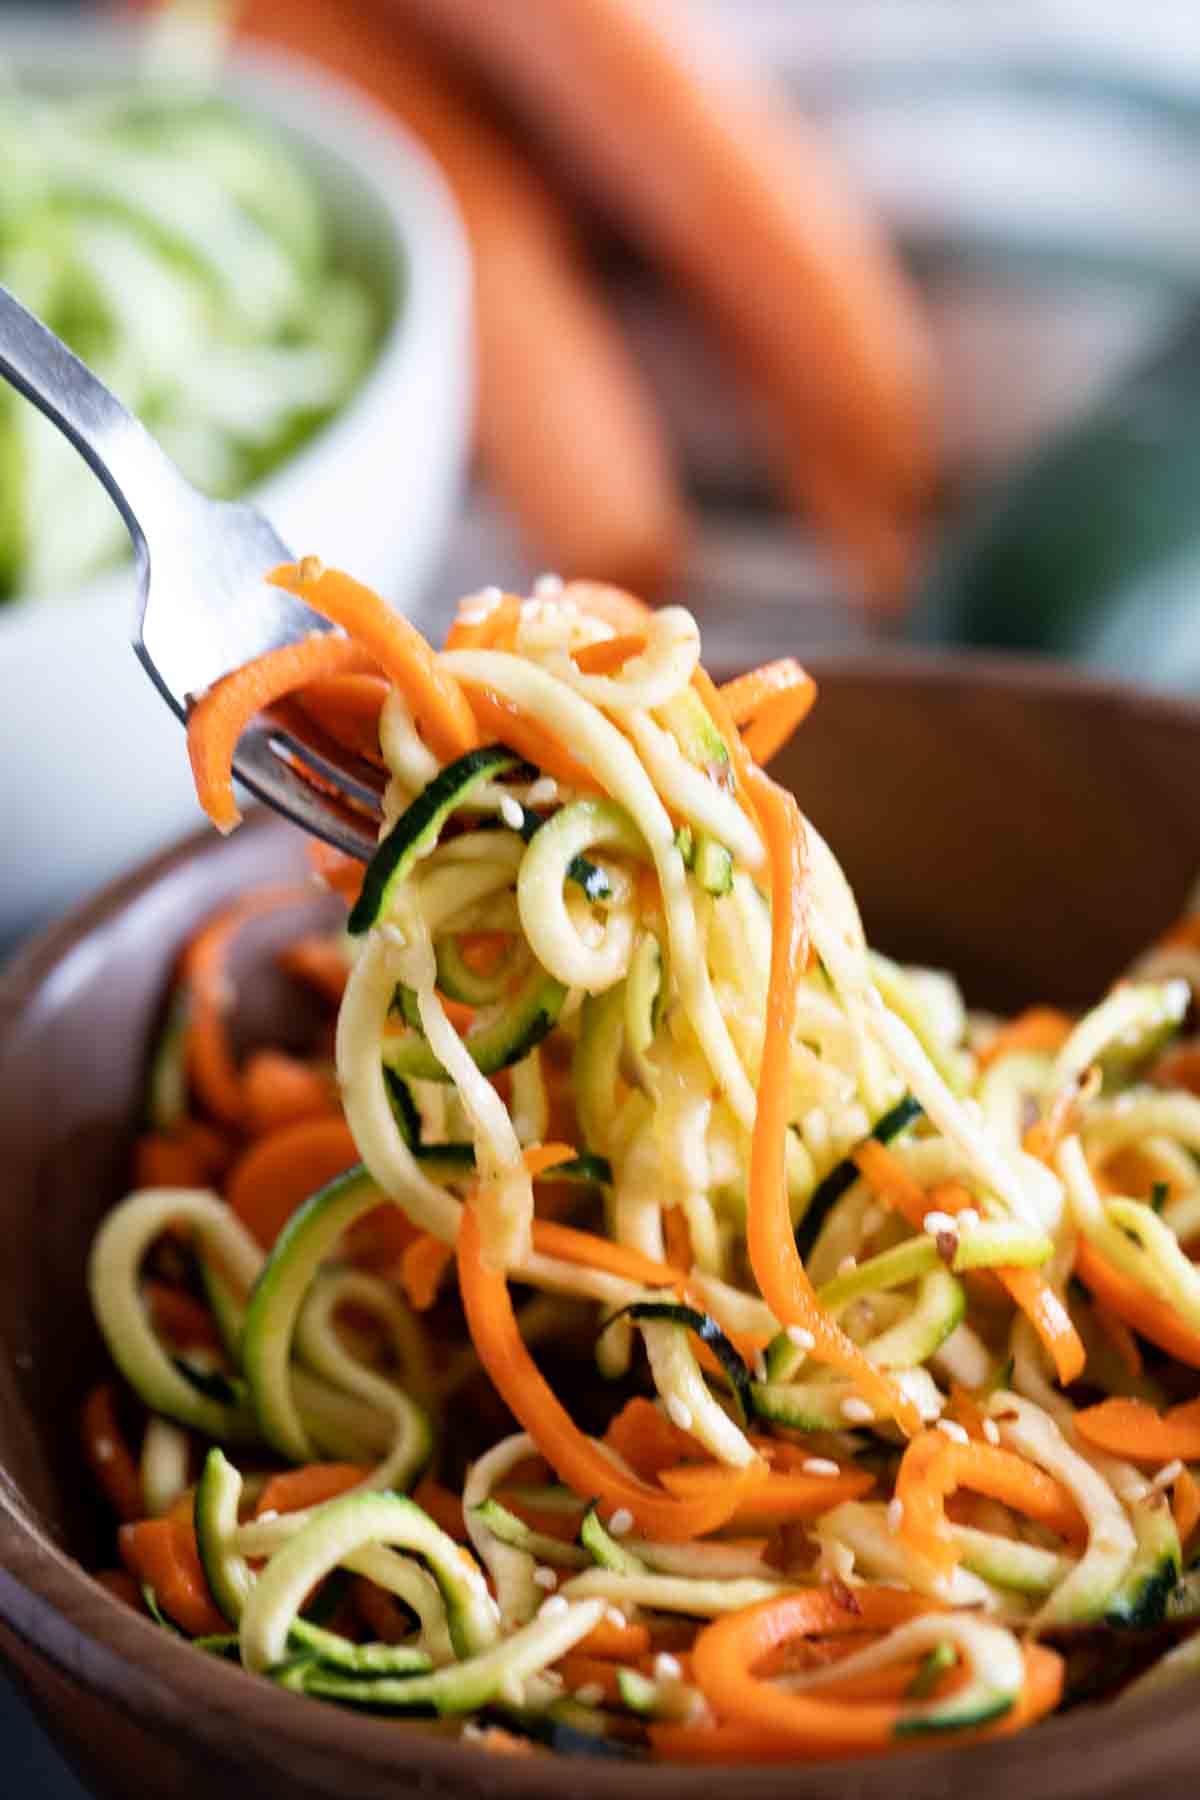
[[218, 717], [602, 1075]]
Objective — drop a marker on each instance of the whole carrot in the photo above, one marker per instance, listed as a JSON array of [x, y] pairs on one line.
[[566, 431], [742, 200]]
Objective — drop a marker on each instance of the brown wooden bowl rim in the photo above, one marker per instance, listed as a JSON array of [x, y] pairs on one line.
[[52, 1604]]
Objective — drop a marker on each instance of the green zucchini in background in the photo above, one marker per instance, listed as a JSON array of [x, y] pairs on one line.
[[1092, 549]]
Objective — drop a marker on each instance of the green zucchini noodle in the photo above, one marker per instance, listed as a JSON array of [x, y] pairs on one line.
[[561, 1006]]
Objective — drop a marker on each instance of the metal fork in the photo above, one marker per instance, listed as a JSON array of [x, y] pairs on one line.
[[203, 606]]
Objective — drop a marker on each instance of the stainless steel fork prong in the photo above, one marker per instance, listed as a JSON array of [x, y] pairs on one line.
[[204, 607]]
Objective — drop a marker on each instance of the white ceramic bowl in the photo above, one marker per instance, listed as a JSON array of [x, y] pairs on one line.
[[93, 770]]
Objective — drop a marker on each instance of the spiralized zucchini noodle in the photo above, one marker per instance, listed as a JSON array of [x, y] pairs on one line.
[[648, 1321]]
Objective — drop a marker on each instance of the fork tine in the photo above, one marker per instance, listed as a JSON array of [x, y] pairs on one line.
[[205, 605], [259, 767], [300, 737]]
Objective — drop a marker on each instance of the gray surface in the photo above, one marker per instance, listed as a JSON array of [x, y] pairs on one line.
[[32, 1770]]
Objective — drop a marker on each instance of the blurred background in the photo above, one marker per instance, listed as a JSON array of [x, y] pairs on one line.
[[856, 325], [850, 325]]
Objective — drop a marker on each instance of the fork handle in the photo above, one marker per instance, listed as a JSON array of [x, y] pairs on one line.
[[119, 449]]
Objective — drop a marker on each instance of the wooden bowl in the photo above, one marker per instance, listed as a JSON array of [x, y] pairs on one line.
[[1025, 828]]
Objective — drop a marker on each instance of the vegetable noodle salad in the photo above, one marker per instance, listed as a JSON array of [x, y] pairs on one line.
[[650, 1322]]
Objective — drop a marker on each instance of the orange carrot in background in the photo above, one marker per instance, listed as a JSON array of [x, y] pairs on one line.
[[693, 157], [567, 433]]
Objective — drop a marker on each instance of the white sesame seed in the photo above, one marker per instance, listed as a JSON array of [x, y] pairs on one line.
[[472, 1733], [857, 1411], [548, 587], [590, 1694], [545, 1578], [895, 1515], [543, 791], [1137, 1490], [512, 812], [991, 1431], [265, 1517], [935, 1222], [819, 1465], [760, 1366], [953, 1431], [553, 1608], [621, 1522], [678, 1413], [105, 1449], [616, 1618], [847, 1265], [803, 1340], [1168, 1473], [968, 1218], [667, 1667]]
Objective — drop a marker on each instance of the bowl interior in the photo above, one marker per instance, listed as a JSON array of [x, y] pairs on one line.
[[1026, 831]]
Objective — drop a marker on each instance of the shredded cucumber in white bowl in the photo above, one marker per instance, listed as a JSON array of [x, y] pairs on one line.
[[181, 248]]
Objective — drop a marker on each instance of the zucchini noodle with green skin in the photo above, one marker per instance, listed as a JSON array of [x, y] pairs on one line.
[[557, 1038]]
